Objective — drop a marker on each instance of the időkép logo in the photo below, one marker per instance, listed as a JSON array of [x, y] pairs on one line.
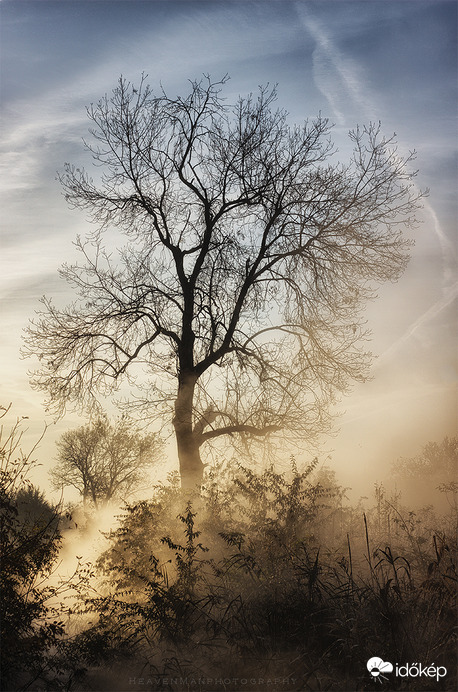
[[378, 669]]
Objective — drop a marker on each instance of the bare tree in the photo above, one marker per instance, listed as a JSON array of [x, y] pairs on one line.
[[251, 253], [104, 461]]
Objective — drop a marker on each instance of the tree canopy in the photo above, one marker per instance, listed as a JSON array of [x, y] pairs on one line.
[[104, 461], [250, 255]]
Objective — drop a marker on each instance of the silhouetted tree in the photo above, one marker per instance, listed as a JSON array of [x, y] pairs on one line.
[[434, 468], [104, 461], [251, 254], [436, 459]]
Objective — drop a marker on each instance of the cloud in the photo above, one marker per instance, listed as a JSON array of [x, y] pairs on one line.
[[447, 248], [341, 80], [430, 314], [338, 77], [165, 47], [31, 129]]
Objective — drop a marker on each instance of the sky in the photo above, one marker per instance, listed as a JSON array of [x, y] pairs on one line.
[[353, 61]]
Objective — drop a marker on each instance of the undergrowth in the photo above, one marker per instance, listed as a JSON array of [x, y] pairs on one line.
[[240, 589], [268, 581]]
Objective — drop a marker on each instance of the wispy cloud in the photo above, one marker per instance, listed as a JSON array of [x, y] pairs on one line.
[[448, 249], [30, 130], [339, 77], [341, 80], [439, 306]]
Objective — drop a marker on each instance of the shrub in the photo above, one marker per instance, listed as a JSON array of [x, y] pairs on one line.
[[206, 592], [31, 616]]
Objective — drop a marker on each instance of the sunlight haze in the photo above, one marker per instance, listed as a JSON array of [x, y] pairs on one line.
[[355, 62]]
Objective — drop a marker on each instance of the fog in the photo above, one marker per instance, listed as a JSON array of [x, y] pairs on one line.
[[320, 57], [354, 63]]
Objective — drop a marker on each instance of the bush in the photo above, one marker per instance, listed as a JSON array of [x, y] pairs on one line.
[[254, 594], [31, 624]]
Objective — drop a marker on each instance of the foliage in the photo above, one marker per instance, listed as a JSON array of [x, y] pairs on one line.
[[103, 460], [30, 540], [251, 255], [255, 594], [271, 576], [434, 468], [435, 459]]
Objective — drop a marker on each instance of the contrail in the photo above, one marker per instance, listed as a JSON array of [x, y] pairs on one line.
[[427, 316], [447, 248], [327, 59], [330, 66]]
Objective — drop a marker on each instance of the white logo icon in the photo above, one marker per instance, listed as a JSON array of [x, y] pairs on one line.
[[377, 667]]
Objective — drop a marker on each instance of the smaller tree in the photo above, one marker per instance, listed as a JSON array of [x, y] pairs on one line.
[[435, 468], [104, 461], [436, 459]]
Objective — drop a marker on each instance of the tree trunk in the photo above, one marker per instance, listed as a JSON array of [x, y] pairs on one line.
[[191, 466]]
